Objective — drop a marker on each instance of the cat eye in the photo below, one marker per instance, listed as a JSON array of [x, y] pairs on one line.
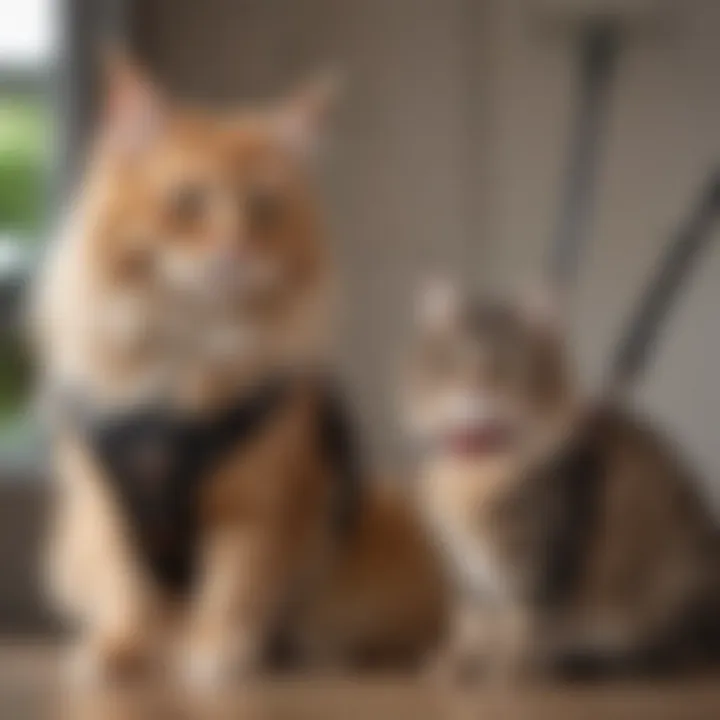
[[265, 208], [189, 203]]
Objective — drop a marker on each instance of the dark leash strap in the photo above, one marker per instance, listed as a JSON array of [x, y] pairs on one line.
[[646, 323], [340, 446], [599, 49]]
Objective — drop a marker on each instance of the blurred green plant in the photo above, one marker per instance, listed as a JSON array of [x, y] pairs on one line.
[[14, 379], [24, 164]]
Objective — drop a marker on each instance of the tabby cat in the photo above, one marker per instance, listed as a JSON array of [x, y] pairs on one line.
[[574, 534]]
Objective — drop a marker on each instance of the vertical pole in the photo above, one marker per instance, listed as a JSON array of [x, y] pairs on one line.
[[598, 53]]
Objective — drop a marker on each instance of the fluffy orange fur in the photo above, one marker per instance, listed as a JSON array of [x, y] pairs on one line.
[[194, 265]]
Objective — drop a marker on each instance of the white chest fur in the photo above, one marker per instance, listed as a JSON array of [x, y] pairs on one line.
[[456, 497], [474, 564]]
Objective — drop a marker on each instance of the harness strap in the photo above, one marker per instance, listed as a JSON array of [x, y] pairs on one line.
[[340, 446], [157, 462], [573, 483]]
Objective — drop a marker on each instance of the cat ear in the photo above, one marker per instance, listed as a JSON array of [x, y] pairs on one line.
[[302, 118], [134, 109], [438, 303]]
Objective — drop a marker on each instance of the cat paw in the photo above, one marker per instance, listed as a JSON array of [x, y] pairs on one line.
[[95, 664], [204, 671], [81, 668], [207, 669], [451, 669]]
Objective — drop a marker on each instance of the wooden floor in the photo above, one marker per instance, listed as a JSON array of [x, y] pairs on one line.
[[30, 688]]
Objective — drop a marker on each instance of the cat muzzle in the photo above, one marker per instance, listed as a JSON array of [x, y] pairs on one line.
[[485, 439]]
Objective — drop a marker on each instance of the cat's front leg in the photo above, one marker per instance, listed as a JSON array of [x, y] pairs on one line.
[[486, 642], [95, 581], [117, 628], [232, 610]]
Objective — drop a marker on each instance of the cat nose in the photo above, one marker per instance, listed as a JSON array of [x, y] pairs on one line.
[[228, 247], [222, 272], [230, 258]]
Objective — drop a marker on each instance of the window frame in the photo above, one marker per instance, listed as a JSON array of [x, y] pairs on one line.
[[27, 80], [69, 81]]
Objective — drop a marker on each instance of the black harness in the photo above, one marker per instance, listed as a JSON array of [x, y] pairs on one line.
[[157, 461], [572, 481]]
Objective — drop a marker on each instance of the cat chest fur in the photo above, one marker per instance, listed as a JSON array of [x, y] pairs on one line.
[[462, 500]]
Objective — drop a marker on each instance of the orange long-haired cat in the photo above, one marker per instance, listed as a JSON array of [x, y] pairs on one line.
[[203, 506]]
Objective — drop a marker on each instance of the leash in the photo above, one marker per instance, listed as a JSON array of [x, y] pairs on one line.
[[645, 326], [599, 50]]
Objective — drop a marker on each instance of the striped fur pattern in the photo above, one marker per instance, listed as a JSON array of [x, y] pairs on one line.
[[576, 538]]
